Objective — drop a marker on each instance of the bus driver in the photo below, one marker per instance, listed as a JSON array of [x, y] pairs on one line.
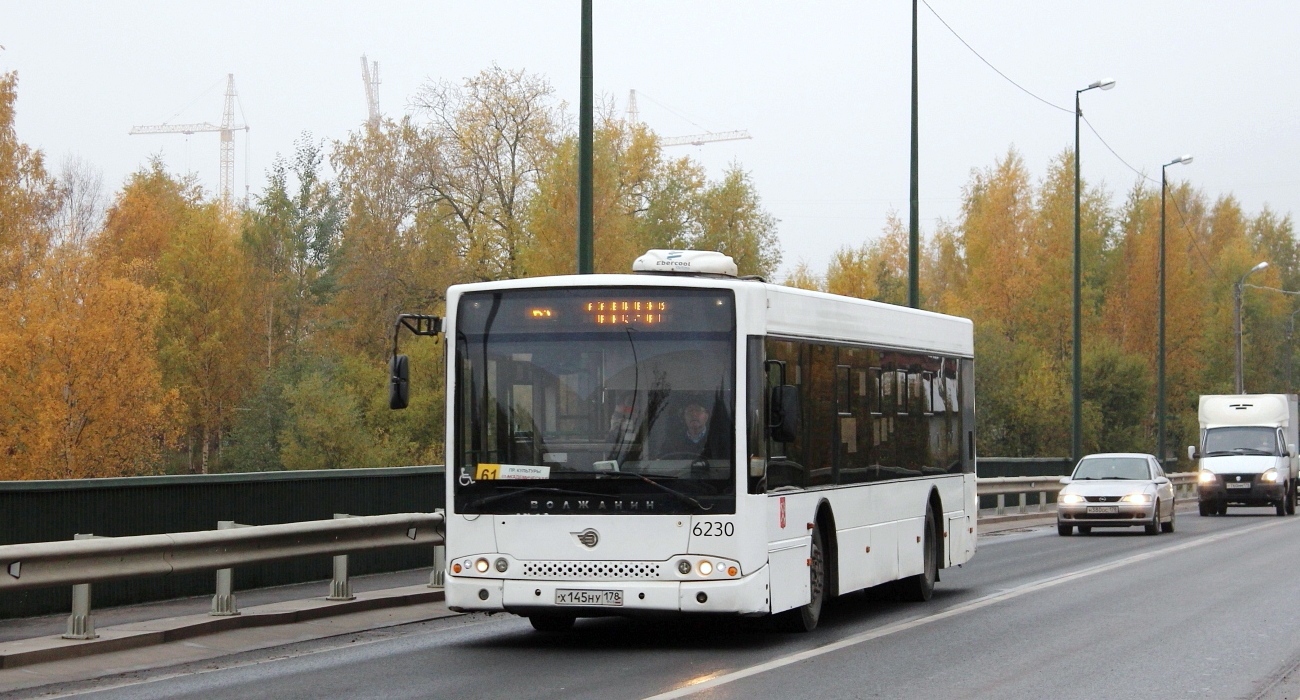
[[693, 440]]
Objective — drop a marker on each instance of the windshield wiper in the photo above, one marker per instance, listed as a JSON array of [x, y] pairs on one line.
[[517, 490], [1251, 451], [656, 484]]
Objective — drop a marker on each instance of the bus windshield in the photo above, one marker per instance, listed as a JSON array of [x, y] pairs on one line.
[[1241, 440], [597, 400]]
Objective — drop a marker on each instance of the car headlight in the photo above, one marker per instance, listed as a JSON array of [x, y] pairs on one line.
[[1270, 476], [1136, 498], [1206, 477], [1071, 498]]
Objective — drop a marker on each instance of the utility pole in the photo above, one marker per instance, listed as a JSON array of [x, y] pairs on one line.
[[914, 227], [585, 132]]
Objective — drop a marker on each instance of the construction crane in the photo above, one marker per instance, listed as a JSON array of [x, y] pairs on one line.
[[634, 117], [370, 76], [227, 129]]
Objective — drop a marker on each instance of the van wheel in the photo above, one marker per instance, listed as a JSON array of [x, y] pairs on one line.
[[1290, 498], [1281, 507], [551, 623], [920, 588], [806, 617]]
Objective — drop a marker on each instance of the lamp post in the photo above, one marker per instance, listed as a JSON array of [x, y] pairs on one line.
[[1238, 291], [1290, 333], [1076, 423], [1160, 362]]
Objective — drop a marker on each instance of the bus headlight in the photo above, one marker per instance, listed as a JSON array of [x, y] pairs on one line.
[[1206, 477], [1136, 498], [706, 568], [481, 566], [1269, 476]]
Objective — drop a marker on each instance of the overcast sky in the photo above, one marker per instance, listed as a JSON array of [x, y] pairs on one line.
[[823, 87]]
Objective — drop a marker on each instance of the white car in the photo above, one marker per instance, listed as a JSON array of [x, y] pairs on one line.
[[1119, 489]]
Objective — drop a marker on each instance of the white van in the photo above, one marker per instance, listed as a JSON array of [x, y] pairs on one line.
[[1247, 452]]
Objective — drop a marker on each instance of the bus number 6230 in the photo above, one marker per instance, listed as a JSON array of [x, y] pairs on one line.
[[710, 528]]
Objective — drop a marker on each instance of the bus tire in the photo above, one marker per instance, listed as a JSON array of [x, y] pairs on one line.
[[920, 588], [551, 623], [805, 617], [1290, 498]]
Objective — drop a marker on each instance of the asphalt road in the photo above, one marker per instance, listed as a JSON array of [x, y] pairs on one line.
[[1206, 612]]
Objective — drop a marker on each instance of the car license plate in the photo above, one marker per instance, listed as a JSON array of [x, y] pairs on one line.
[[1101, 510], [569, 596], [1238, 485]]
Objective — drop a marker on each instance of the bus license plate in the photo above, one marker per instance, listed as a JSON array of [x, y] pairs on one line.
[[569, 596], [1102, 510], [1238, 485]]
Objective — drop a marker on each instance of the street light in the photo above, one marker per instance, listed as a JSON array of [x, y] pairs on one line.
[[1290, 333], [1160, 371], [1076, 423], [1238, 291]]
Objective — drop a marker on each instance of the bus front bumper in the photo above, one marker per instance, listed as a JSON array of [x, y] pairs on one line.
[[747, 595]]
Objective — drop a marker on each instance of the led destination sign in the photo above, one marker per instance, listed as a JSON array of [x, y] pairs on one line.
[[604, 310]]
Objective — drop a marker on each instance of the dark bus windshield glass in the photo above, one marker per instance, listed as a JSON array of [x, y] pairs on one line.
[[1113, 468], [614, 400], [1248, 440]]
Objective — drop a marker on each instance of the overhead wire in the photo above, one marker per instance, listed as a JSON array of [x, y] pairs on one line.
[[1005, 77], [1093, 129]]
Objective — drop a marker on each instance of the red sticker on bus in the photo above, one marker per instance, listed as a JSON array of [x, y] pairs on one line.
[[783, 512]]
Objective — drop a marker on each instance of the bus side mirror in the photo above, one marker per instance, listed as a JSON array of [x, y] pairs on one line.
[[783, 409], [399, 382], [1191, 452]]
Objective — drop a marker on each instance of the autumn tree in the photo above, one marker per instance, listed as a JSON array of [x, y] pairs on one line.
[[480, 154], [205, 333]]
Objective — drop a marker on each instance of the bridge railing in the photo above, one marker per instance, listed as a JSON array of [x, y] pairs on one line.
[[87, 559], [1022, 487]]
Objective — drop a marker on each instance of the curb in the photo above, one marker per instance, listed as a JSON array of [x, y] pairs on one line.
[[140, 634]]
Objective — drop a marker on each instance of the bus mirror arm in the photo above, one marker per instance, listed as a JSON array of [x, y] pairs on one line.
[[399, 366]]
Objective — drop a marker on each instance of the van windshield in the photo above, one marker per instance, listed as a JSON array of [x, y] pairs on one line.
[[1241, 440]]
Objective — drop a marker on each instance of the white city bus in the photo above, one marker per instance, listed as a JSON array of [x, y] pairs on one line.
[[683, 440]]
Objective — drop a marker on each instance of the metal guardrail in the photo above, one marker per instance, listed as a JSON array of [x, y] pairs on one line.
[[88, 559], [43, 564], [1020, 486]]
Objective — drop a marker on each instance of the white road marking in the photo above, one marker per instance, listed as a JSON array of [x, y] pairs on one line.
[[976, 604]]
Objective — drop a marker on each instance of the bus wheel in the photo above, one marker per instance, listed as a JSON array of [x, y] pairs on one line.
[[920, 587], [805, 618], [551, 623], [1290, 498]]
